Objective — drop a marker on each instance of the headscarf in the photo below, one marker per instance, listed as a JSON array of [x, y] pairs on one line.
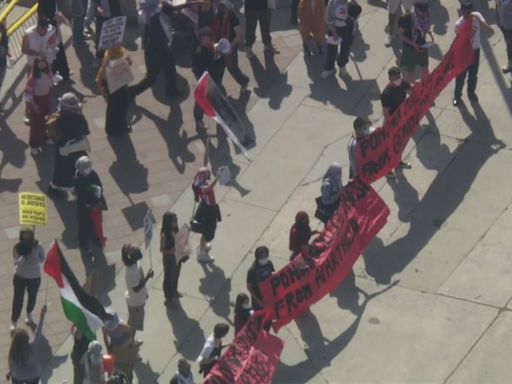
[[83, 163], [331, 184], [201, 176], [69, 103]]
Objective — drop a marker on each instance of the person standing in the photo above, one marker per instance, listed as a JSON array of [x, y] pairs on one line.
[[312, 24], [226, 25], [37, 95], [136, 292], [158, 55], [391, 98], [393, 13], [504, 17], [117, 102], [68, 128], [362, 127], [340, 18], [172, 267], [48, 9], [28, 256], [413, 28], [477, 20], [258, 11], [90, 203], [78, 10], [105, 9], [208, 211], [243, 311], [212, 349], [330, 192], [184, 374], [24, 367], [260, 270]]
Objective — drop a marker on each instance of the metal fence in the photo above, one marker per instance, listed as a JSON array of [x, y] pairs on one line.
[[17, 30]]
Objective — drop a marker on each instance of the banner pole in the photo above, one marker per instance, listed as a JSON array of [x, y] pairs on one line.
[[150, 258]]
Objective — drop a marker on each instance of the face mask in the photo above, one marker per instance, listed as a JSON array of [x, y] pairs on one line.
[[367, 130], [246, 305], [86, 171], [263, 261], [397, 83]]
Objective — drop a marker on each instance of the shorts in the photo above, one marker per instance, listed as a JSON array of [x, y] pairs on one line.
[[411, 59], [136, 318], [394, 4]]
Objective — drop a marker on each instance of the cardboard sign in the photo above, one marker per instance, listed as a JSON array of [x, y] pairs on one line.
[[148, 228], [305, 280], [251, 358], [33, 210], [182, 247], [118, 73], [381, 151], [112, 32]]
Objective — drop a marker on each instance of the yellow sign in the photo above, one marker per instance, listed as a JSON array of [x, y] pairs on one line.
[[32, 208]]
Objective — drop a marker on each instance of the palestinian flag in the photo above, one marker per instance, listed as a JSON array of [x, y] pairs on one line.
[[214, 104], [83, 310]]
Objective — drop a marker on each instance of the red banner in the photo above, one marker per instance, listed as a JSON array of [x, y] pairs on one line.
[[305, 280], [251, 358], [380, 152]]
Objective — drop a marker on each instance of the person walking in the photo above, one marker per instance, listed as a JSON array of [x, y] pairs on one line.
[[413, 28], [261, 269], [340, 18], [394, 10], [258, 11], [68, 129], [37, 95], [24, 367], [212, 349], [136, 292], [172, 267], [117, 100], [208, 211], [28, 256], [90, 203], [243, 311], [477, 20], [504, 18], [158, 55], [391, 98], [226, 25], [312, 25]]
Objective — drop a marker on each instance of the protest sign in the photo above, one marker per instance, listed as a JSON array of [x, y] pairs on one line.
[[251, 358], [305, 280], [181, 243], [381, 151], [148, 228], [118, 73], [112, 32], [32, 207]]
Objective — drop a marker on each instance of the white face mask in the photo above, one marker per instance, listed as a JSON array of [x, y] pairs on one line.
[[398, 82], [86, 171], [246, 305], [368, 130], [263, 261]]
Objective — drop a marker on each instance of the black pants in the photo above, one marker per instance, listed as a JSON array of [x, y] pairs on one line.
[[171, 276], [251, 21], [234, 68], [61, 63], [99, 25], [157, 60], [117, 107], [20, 286], [347, 38], [293, 10], [507, 33], [471, 73]]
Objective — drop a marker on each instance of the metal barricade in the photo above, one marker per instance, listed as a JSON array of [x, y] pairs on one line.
[[17, 30]]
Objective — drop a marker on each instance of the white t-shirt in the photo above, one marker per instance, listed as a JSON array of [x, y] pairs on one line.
[[475, 34], [44, 44], [134, 274], [208, 348]]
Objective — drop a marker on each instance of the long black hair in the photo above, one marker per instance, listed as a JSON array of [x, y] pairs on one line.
[[169, 223]]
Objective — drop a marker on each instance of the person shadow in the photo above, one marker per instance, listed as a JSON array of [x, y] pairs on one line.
[[13, 153], [439, 16], [183, 327], [87, 73], [216, 288], [105, 274], [145, 373], [406, 196], [48, 360]]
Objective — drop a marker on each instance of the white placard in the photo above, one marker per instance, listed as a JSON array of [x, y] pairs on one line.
[[182, 247], [112, 32], [118, 73]]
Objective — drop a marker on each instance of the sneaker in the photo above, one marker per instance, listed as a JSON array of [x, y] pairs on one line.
[[326, 73], [271, 49], [473, 97], [208, 247], [456, 101], [12, 328], [34, 151], [204, 257], [391, 175], [249, 53], [29, 320], [343, 72], [26, 120], [405, 165], [507, 67], [387, 41], [138, 342]]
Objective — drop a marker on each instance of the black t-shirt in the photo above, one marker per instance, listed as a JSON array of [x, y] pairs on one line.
[[405, 22], [257, 273], [255, 5], [392, 97]]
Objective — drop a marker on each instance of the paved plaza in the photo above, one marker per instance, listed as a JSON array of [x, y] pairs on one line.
[[430, 299]]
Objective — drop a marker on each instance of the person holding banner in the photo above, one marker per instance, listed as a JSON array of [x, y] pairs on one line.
[[90, 203], [172, 267], [468, 14], [331, 189], [413, 28], [212, 349], [243, 311], [28, 256], [362, 128], [301, 232], [504, 17], [117, 99], [105, 9], [261, 269]]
